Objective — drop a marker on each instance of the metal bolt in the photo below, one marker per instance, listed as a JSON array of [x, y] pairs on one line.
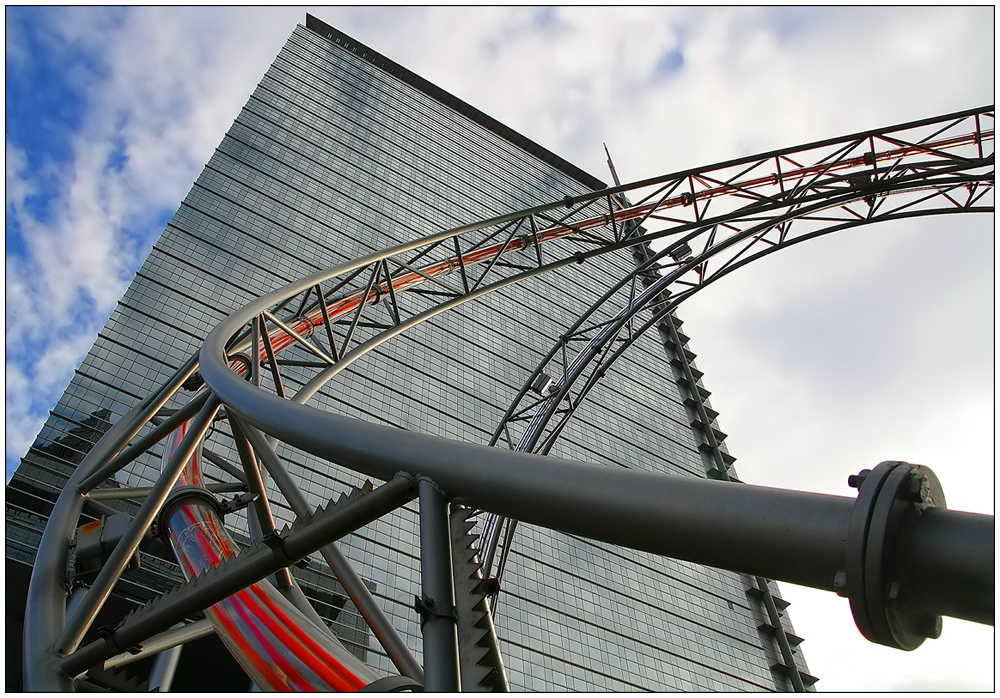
[[930, 627], [918, 488], [840, 582], [856, 481]]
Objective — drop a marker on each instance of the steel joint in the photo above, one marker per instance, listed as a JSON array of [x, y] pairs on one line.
[[891, 497]]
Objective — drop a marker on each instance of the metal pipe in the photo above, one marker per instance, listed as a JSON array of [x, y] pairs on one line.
[[668, 327], [773, 615], [255, 482], [225, 465], [177, 635], [621, 506], [306, 343], [76, 597], [255, 351], [140, 492], [145, 443], [416, 271], [359, 594], [53, 594], [261, 524], [164, 668], [950, 561], [214, 458], [437, 606], [797, 537]]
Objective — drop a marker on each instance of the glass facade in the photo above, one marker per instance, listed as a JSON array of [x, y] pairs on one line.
[[340, 152]]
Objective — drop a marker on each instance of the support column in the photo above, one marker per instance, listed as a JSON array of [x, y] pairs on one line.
[[437, 605], [164, 667]]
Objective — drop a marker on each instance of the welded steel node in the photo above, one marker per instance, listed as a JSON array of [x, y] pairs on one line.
[[890, 497]]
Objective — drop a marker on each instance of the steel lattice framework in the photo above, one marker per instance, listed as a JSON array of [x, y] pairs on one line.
[[706, 223]]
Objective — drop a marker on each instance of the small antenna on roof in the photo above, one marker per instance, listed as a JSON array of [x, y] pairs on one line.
[[622, 199], [611, 165]]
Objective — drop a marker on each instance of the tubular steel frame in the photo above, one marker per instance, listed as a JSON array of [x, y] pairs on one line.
[[712, 221]]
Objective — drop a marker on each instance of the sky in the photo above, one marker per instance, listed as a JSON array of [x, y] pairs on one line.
[[830, 357]]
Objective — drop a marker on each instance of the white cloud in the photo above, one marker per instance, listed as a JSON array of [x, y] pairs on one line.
[[163, 85], [801, 413], [17, 184], [21, 424], [960, 660], [161, 88]]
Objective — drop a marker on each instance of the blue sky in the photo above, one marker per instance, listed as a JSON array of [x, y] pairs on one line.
[[827, 359]]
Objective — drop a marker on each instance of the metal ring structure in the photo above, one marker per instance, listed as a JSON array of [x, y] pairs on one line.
[[821, 187]]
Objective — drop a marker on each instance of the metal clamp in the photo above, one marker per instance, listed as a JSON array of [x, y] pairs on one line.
[[890, 498], [276, 542], [179, 496], [429, 608], [245, 361], [240, 501], [393, 684]]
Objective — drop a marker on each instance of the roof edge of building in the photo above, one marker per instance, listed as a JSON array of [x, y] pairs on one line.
[[369, 54]]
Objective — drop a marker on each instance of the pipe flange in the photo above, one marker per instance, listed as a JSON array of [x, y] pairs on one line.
[[868, 483], [890, 496], [244, 361], [179, 496]]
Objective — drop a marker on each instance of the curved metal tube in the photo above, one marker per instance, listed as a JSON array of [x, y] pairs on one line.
[[796, 537], [47, 591], [260, 305], [274, 642]]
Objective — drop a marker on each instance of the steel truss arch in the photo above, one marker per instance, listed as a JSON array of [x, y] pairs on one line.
[[591, 363], [850, 174]]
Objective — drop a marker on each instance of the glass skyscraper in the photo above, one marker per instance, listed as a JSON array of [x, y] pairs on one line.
[[340, 152]]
